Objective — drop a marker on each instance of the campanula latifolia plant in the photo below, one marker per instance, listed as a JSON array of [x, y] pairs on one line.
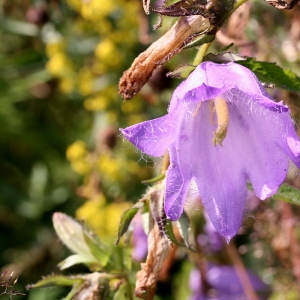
[[223, 137]]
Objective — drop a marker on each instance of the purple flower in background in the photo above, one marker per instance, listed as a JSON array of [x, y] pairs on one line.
[[222, 130], [224, 284], [139, 239], [210, 241]]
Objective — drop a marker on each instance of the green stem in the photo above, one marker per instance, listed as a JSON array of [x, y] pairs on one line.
[[204, 47], [200, 54], [129, 288]]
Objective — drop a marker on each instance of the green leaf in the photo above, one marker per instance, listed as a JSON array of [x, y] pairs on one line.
[[182, 71], [74, 260], [71, 233], [155, 179], [170, 234], [271, 73], [121, 293], [184, 226], [223, 57], [126, 218], [101, 252], [53, 280], [202, 39], [288, 193], [226, 48], [74, 291], [127, 259]]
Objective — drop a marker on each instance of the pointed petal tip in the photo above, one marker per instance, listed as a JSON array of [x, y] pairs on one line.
[[227, 235], [267, 192], [173, 214], [123, 131], [173, 217], [228, 239]]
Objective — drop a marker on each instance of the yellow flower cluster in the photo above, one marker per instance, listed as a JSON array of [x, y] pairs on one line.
[[102, 217], [113, 22], [109, 167], [83, 162], [78, 155], [60, 66], [100, 171], [96, 102], [101, 100], [116, 27], [108, 55], [96, 79], [86, 81]]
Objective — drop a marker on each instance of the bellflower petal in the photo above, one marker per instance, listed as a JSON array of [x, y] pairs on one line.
[[177, 186], [147, 136], [255, 142], [220, 180]]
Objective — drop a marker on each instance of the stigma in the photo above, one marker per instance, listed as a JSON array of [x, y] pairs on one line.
[[222, 112]]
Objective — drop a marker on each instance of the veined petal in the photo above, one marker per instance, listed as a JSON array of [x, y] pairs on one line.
[[252, 136], [287, 138], [177, 185], [218, 174], [152, 137], [200, 93], [209, 80], [292, 147]]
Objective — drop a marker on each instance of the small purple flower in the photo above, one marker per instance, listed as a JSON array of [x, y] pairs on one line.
[[139, 239], [211, 241], [222, 130], [225, 284]]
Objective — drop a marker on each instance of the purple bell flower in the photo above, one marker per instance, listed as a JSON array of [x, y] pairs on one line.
[[225, 284], [222, 130]]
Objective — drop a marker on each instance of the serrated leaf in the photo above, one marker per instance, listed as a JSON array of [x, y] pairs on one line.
[[184, 227], [288, 193], [223, 57], [181, 71], [53, 280], [126, 219], [99, 250], [156, 178], [203, 39], [74, 260], [226, 48], [170, 234], [271, 73], [74, 291]]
